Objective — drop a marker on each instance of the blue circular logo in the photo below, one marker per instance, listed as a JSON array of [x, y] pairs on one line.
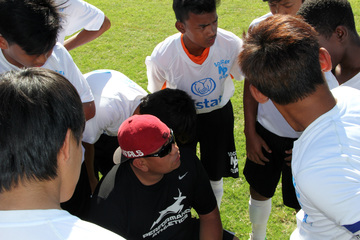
[[203, 87]]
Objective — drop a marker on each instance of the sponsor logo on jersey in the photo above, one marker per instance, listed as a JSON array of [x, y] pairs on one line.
[[208, 103], [182, 176], [60, 72], [223, 69], [203, 87], [172, 215]]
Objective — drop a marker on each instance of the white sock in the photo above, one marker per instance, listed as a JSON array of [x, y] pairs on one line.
[[218, 190], [259, 212]]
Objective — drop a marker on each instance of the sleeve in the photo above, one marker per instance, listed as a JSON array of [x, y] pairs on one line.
[[73, 74], [80, 14], [335, 193], [155, 73], [235, 69], [204, 198]]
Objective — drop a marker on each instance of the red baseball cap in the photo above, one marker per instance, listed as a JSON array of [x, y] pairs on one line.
[[141, 135]]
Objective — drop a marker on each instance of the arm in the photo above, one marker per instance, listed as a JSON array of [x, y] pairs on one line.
[[89, 110], [210, 226], [85, 36], [254, 143], [89, 163]]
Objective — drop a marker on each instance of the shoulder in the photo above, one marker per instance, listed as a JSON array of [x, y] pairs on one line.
[[87, 230], [228, 40], [168, 46], [259, 19]]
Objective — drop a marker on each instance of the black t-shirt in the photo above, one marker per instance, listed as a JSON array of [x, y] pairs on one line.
[[124, 205]]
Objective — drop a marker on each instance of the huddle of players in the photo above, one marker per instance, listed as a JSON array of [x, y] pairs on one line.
[[289, 113]]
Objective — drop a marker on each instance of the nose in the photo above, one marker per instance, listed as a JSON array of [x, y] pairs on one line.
[[174, 148]]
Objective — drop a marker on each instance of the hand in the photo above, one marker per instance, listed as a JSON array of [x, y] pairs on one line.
[[288, 158], [254, 146]]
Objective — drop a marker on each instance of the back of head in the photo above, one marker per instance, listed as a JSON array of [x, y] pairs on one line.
[[31, 24], [182, 8], [176, 109], [326, 15], [281, 58], [41, 105]]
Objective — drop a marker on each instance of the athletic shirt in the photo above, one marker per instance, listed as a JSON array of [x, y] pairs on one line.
[[125, 206], [326, 172], [268, 115], [61, 62], [49, 224], [209, 84], [77, 15], [354, 82], [116, 98]]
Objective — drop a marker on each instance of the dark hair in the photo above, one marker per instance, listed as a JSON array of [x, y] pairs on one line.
[[38, 107], [176, 109], [326, 15], [183, 7], [31, 24], [271, 1], [281, 58]]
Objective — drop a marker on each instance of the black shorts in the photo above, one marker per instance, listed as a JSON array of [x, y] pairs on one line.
[[215, 132], [265, 178]]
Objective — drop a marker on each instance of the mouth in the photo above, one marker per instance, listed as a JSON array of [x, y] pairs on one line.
[[212, 40]]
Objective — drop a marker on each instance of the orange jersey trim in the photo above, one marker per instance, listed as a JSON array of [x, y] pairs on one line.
[[196, 59]]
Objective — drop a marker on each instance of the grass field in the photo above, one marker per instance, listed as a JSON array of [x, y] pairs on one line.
[[137, 27]]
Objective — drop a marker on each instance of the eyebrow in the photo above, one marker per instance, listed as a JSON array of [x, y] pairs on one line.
[[205, 25]]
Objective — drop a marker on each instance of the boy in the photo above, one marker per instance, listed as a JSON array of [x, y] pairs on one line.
[[326, 156], [334, 21], [28, 32], [41, 123], [201, 60]]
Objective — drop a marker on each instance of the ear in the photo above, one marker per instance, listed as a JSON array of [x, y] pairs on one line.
[[325, 60], [140, 163], [180, 27], [257, 95], [341, 33], [3, 43], [64, 153]]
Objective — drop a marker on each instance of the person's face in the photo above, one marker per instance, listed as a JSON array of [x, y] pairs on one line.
[[333, 46], [15, 55], [199, 31], [285, 6], [166, 164]]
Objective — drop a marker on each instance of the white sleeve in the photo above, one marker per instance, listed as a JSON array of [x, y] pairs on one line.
[[155, 74], [235, 69], [78, 15]]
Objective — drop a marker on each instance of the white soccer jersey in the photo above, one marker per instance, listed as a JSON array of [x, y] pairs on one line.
[[77, 15], [354, 82], [60, 61], [49, 224], [116, 98], [209, 84], [326, 172]]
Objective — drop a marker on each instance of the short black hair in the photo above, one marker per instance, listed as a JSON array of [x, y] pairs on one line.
[[38, 107], [281, 58], [31, 24], [182, 8], [176, 109], [326, 15]]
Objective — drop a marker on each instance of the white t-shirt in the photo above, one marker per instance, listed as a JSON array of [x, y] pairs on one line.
[[268, 115], [353, 82], [116, 98], [60, 61], [210, 83], [49, 224], [77, 15], [326, 172]]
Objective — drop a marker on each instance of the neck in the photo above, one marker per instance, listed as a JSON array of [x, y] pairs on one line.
[[302, 113], [192, 48], [30, 195], [349, 65], [146, 178]]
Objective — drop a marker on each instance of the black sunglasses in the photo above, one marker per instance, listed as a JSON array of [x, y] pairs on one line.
[[166, 149]]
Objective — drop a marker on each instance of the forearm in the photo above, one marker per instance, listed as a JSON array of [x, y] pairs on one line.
[[85, 36], [250, 110], [210, 226], [89, 163]]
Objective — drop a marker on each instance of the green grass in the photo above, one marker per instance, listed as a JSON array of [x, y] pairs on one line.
[[137, 27]]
